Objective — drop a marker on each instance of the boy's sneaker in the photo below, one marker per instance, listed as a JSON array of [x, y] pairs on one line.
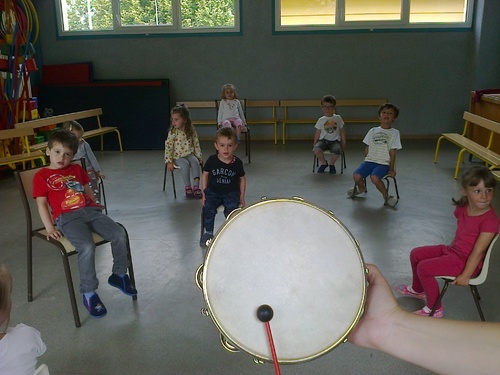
[[332, 169], [123, 283], [403, 289], [206, 236], [425, 311], [322, 168], [391, 201], [351, 193], [95, 306]]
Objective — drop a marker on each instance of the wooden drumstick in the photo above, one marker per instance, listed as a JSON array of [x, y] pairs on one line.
[[265, 314]]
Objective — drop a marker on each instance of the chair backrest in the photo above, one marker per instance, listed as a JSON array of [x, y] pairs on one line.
[[481, 278]]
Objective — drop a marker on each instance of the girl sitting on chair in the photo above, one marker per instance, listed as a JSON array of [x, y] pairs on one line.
[[230, 112], [182, 148], [477, 225]]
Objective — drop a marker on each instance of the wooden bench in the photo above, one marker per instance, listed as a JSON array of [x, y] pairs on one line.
[[463, 141], [271, 105], [496, 174], [289, 117], [211, 106], [208, 111], [27, 156], [74, 116]]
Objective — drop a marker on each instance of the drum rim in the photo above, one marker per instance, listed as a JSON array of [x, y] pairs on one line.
[[227, 335]]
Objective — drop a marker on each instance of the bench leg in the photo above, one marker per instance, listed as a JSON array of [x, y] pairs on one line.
[[437, 149], [460, 160]]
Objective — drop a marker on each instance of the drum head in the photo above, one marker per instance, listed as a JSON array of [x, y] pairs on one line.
[[295, 257]]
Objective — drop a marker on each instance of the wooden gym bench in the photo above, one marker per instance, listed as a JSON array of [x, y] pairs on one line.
[[6, 158], [491, 158], [74, 116], [292, 118]]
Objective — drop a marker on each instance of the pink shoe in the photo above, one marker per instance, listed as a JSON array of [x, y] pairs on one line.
[[403, 289], [425, 311]]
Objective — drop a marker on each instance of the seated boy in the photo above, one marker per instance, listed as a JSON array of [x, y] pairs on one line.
[[223, 181], [382, 142], [330, 134], [64, 187]]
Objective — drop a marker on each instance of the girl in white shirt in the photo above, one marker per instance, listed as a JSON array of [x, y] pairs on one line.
[[230, 111]]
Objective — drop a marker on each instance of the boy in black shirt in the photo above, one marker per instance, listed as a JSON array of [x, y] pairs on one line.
[[223, 181]]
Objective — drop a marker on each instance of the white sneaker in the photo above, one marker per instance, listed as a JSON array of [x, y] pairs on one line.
[[391, 201]]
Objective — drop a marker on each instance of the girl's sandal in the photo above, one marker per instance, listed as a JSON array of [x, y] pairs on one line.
[[197, 193], [189, 193]]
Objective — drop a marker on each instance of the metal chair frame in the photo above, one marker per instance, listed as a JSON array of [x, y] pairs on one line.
[[473, 282]]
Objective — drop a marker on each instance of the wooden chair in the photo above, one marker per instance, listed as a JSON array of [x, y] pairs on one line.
[[25, 184], [473, 282], [244, 130]]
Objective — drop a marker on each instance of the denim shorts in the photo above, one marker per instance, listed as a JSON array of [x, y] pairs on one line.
[[333, 146]]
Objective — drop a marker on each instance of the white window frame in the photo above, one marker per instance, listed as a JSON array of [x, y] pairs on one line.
[[342, 25], [139, 30]]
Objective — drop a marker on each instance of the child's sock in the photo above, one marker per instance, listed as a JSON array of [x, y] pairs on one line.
[[410, 288], [88, 295]]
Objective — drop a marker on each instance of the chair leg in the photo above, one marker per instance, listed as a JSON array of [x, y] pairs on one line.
[[342, 162], [165, 180], [475, 294], [202, 225], [388, 185], [129, 256], [71, 290], [173, 185], [443, 291], [315, 162], [29, 266], [164, 177], [247, 145], [102, 194]]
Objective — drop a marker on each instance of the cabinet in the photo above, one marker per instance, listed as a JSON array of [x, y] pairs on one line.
[[488, 106]]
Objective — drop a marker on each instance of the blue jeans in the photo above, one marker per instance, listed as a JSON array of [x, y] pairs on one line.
[[77, 227], [213, 199]]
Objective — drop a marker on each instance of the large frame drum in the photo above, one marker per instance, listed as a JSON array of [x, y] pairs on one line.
[[299, 259]]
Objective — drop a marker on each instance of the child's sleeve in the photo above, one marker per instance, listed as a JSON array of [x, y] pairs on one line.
[[242, 113], [220, 114], [169, 148], [396, 142], [39, 189], [197, 148], [91, 157]]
